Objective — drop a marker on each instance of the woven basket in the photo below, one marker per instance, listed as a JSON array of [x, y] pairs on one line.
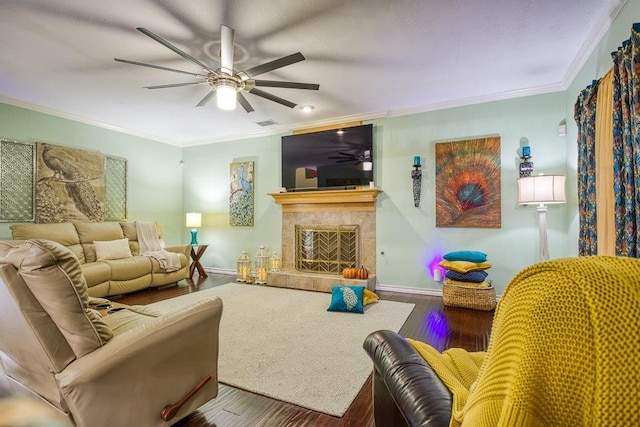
[[469, 297]]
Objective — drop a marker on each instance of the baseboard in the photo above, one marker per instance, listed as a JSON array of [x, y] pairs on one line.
[[415, 291], [405, 290], [379, 286], [226, 271]]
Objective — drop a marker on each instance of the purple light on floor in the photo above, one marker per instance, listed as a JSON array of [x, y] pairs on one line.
[[436, 329]]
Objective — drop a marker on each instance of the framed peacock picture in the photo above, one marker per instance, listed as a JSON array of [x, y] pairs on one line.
[[70, 184], [468, 183]]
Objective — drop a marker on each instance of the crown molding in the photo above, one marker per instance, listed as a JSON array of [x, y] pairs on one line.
[[598, 31], [86, 121]]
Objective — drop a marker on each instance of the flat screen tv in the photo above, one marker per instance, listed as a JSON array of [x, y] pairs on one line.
[[337, 159]]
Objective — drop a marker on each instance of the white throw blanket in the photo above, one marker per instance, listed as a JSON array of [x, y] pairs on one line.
[[151, 246]]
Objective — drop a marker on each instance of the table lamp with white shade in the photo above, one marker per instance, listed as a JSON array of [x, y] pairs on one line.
[[542, 190], [194, 220]]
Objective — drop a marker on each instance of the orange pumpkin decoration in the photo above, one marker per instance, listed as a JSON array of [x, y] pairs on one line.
[[350, 272], [362, 273]]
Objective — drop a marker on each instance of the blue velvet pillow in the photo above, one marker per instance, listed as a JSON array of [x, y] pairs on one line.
[[471, 256], [472, 276], [347, 299]]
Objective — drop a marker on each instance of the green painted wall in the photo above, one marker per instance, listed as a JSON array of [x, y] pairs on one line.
[[154, 173], [206, 190], [407, 235]]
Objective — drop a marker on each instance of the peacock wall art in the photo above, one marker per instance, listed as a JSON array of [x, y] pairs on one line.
[[70, 184]]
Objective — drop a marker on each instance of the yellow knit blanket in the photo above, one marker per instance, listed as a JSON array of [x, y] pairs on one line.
[[564, 350]]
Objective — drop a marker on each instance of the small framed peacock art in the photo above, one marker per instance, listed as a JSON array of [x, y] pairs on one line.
[[70, 184], [241, 194]]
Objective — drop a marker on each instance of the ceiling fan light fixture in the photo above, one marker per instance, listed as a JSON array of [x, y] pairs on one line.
[[226, 97]]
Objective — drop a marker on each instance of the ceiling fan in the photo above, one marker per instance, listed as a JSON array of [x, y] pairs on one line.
[[226, 83], [344, 157]]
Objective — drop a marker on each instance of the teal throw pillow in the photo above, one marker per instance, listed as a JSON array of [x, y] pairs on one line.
[[347, 299], [471, 256]]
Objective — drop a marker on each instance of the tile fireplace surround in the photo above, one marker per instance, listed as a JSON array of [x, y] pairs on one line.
[[326, 208]]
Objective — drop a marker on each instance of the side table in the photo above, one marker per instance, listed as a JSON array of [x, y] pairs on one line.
[[196, 253]]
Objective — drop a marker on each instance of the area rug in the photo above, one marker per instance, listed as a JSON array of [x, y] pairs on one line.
[[283, 343]]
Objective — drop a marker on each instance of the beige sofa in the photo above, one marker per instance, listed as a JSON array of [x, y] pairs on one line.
[[110, 276], [132, 367]]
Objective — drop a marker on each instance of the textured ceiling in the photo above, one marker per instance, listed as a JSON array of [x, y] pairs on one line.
[[372, 58]]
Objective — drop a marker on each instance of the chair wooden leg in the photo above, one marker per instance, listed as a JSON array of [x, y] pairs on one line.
[[170, 411]]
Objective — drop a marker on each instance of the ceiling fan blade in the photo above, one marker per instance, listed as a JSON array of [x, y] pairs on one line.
[[288, 85], [206, 98], [273, 98], [245, 104], [172, 47], [226, 49], [126, 61], [172, 85], [275, 64]]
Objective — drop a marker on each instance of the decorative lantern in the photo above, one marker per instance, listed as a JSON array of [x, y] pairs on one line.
[[275, 262], [262, 266], [244, 267]]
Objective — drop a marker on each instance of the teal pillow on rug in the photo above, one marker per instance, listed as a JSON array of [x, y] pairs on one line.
[[347, 299]]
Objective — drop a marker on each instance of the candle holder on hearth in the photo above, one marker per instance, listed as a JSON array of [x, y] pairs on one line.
[[244, 267], [262, 266], [275, 262]]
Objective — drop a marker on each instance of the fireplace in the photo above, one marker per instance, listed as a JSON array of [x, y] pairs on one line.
[[326, 248], [332, 215]]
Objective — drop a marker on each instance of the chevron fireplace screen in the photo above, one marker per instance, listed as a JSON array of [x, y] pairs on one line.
[[326, 249]]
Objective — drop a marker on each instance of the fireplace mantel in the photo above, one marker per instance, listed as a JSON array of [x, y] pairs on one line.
[[330, 200]]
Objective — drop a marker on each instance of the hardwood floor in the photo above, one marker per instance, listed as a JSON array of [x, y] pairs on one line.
[[431, 322]]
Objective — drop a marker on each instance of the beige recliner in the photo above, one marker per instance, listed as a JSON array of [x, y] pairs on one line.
[[136, 366]]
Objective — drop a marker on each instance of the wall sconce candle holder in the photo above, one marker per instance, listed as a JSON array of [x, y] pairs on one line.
[[416, 176], [526, 166]]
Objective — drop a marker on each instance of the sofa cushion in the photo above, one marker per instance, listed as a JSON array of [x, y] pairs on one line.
[[88, 232], [54, 277], [130, 232], [112, 249], [64, 233], [129, 268], [96, 273]]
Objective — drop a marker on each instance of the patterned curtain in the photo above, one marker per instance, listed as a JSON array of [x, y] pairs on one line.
[[626, 144], [585, 117]]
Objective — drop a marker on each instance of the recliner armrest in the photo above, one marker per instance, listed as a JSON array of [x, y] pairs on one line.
[[403, 376]]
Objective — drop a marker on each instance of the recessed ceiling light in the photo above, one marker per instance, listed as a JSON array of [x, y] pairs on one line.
[[306, 108]]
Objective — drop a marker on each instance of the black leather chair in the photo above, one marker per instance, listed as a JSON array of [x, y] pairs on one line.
[[406, 391]]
